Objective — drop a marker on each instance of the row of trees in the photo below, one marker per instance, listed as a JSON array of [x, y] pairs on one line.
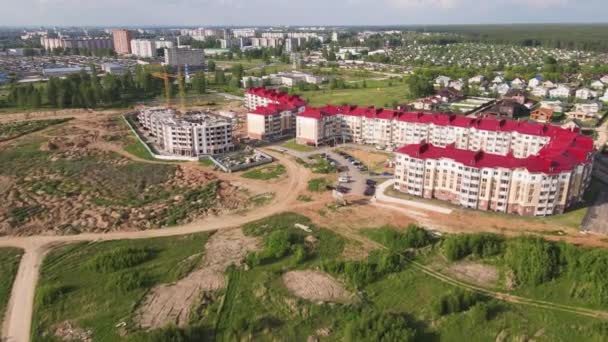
[[84, 90]]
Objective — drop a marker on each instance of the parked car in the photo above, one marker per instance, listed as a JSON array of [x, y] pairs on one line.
[[370, 182], [370, 191], [342, 189], [344, 179]]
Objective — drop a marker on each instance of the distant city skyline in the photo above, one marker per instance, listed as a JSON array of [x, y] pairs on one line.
[[310, 12]]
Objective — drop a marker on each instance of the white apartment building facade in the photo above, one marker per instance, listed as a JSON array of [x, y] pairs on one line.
[[193, 134], [144, 48], [539, 185]]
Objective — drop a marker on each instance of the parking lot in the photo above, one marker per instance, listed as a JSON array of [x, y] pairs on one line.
[[358, 174]]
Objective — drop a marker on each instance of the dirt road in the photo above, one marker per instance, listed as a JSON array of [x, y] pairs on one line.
[[18, 318]]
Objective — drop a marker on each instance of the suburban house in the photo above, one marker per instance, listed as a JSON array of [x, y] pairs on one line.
[[476, 79], [548, 84], [556, 105], [457, 84], [535, 82], [604, 79], [585, 94], [540, 92], [542, 115], [516, 95], [562, 91], [498, 79], [502, 89], [589, 107], [507, 109], [518, 83], [597, 85], [605, 97], [442, 81]]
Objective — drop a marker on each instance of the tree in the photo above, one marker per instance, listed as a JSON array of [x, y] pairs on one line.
[[51, 92], [419, 86], [331, 56], [220, 77], [237, 74], [211, 66], [199, 83]]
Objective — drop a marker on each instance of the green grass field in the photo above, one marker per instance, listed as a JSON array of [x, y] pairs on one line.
[[71, 288], [9, 263], [265, 172], [136, 148], [292, 145], [381, 96]]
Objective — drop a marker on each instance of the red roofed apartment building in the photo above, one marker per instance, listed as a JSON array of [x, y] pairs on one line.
[[272, 114], [487, 164]]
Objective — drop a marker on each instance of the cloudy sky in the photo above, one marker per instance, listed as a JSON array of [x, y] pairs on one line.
[[298, 12]]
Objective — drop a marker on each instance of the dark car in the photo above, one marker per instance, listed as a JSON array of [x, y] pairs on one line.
[[370, 182], [343, 189], [369, 191]]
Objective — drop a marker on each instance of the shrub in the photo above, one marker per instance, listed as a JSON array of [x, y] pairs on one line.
[[121, 258], [457, 301], [175, 334], [361, 273], [318, 184], [48, 295], [380, 327], [127, 281], [533, 260], [413, 237], [457, 247]]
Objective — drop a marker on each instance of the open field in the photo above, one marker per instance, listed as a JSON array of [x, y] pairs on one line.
[[266, 172], [383, 96], [298, 284], [76, 286], [9, 262]]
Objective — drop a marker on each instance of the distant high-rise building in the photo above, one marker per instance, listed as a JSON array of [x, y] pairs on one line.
[[90, 44], [334, 37], [122, 41], [143, 48], [184, 56]]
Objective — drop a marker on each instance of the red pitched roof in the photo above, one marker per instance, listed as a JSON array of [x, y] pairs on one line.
[[555, 157], [277, 96]]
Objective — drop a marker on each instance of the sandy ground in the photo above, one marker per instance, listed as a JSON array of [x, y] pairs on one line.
[[374, 160], [316, 286], [172, 303], [474, 272]]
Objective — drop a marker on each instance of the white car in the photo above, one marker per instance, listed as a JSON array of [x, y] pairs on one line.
[[344, 179]]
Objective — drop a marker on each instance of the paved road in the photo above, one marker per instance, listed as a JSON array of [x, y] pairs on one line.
[[381, 197], [357, 184], [18, 317]]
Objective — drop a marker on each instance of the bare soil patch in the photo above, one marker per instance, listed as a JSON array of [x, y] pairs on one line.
[[173, 303], [66, 331], [316, 286], [474, 272]]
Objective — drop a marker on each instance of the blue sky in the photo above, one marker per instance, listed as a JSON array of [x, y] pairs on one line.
[[298, 12]]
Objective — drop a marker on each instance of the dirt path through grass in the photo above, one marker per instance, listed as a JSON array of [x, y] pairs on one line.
[[17, 324]]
